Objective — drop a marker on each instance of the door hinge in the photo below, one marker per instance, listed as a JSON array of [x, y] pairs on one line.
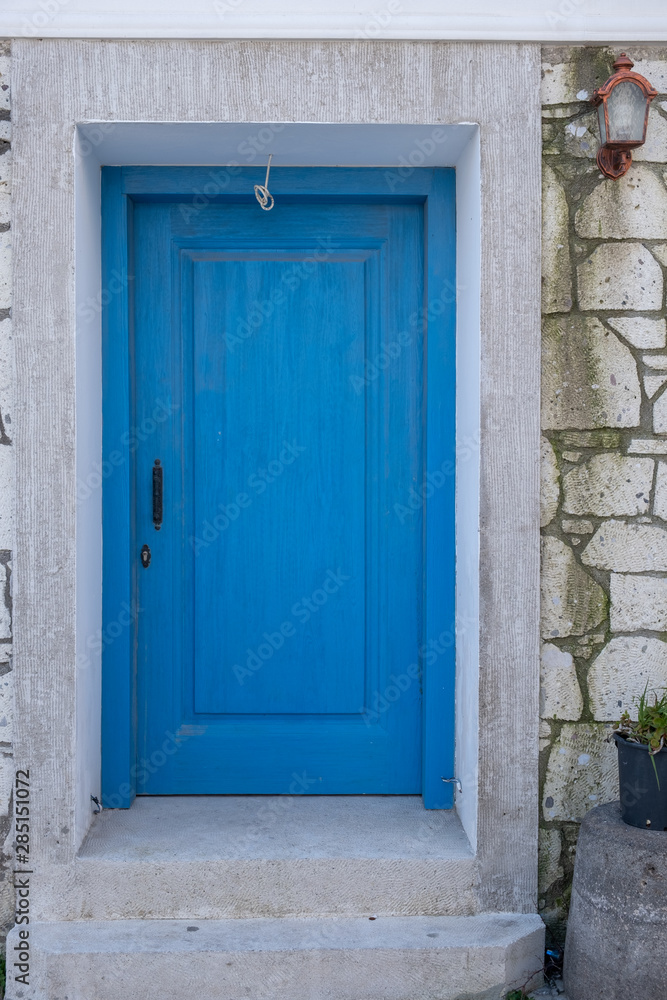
[[454, 781]]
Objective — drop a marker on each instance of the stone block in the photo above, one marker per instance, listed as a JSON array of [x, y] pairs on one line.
[[572, 602], [5, 65], [621, 671], [632, 207], [5, 599], [660, 251], [653, 383], [627, 547], [656, 361], [6, 397], [564, 111], [556, 269], [602, 438], [6, 451], [6, 176], [638, 602], [579, 527], [6, 497], [589, 378], [6, 364], [639, 331], [7, 778], [581, 136], [654, 149], [549, 484], [654, 69], [559, 83], [615, 935], [647, 446], [609, 484], [620, 276], [581, 773], [5, 269], [660, 414], [549, 868], [545, 734], [560, 694], [660, 496], [6, 723]]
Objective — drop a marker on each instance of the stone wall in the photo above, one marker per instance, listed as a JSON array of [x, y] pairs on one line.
[[604, 449], [6, 496]]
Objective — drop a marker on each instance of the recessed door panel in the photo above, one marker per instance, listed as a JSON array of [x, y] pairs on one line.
[[279, 544]]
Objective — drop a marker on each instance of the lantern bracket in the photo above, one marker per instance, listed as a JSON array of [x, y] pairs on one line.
[[614, 162]]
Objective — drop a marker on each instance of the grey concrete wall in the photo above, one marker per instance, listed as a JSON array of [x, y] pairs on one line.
[[59, 83]]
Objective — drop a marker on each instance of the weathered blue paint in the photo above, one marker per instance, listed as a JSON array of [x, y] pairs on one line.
[[294, 373], [118, 660]]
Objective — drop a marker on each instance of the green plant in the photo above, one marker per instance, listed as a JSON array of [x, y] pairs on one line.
[[650, 729]]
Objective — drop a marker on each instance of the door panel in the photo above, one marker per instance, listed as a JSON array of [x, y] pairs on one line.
[[279, 475], [278, 375]]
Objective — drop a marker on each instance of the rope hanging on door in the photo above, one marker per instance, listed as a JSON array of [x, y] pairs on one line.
[[262, 193]]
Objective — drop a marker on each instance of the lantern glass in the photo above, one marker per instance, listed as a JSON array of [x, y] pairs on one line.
[[626, 111], [603, 124]]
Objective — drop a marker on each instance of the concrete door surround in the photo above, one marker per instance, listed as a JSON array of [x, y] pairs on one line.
[[66, 94]]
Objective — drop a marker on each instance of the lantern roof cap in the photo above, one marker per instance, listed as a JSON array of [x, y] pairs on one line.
[[623, 67], [623, 63]]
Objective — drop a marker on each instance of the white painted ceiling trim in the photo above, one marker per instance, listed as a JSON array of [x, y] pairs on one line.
[[522, 20]]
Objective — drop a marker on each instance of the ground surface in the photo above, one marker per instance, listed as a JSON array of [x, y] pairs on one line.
[[549, 992]]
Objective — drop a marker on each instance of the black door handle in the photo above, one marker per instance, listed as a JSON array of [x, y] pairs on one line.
[[157, 494]]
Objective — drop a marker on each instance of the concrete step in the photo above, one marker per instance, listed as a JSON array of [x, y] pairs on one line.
[[213, 857], [335, 958]]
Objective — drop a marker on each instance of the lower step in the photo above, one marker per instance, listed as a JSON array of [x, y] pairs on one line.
[[335, 958]]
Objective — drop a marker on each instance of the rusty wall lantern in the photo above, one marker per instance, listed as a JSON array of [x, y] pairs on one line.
[[622, 103]]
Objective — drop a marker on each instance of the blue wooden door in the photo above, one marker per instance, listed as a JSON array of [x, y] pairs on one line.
[[278, 385]]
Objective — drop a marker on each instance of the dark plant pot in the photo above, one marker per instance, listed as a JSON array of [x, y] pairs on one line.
[[643, 794]]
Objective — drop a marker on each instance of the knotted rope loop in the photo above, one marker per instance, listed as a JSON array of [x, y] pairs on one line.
[[262, 193]]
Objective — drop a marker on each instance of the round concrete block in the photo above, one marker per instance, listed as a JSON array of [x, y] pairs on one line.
[[615, 945]]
